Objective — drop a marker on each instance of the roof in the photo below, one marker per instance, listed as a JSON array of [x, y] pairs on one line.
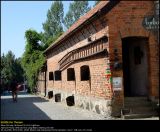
[[79, 22]]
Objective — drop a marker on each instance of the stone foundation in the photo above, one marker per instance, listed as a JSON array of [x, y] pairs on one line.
[[100, 106], [97, 105]]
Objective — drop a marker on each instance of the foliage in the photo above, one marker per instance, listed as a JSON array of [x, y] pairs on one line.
[[33, 58], [19, 70], [11, 69], [34, 39], [76, 10], [53, 25], [50, 40]]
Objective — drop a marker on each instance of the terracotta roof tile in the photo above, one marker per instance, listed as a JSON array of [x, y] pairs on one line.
[[79, 22]]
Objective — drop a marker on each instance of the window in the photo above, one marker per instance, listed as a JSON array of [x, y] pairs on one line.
[[105, 40], [85, 73], [57, 75], [70, 74], [50, 75]]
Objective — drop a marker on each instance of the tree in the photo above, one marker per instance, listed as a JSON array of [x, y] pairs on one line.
[[47, 42], [8, 72], [33, 58], [54, 23], [19, 70], [2, 61], [11, 69], [76, 10]]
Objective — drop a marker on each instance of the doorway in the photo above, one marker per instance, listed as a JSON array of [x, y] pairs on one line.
[[135, 66]]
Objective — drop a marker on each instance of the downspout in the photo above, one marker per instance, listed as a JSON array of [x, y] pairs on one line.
[[45, 84]]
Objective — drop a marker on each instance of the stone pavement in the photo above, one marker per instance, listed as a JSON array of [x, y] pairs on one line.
[[32, 107]]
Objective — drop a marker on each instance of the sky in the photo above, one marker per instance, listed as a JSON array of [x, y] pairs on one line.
[[19, 16]]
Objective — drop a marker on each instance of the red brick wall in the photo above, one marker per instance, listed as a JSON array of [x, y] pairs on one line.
[[124, 20], [67, 85], [97, 66], [154, 65], [97, 88]]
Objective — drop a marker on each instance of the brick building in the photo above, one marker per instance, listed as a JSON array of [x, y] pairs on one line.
[[105, 57]]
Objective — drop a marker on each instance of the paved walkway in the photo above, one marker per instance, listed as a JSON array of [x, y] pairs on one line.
[[31, 107]]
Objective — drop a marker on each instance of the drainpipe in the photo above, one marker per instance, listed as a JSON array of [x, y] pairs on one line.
[[45, 83], [45, 80], [75, 84]]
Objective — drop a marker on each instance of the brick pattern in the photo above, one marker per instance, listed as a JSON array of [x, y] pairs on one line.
[[96, 87], [82, 87], [154, 66], [124, 20], [127, 22]]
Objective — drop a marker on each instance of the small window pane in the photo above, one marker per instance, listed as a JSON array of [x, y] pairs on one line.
[[70, 74], [57, 75], [50, 75], [85, 73]]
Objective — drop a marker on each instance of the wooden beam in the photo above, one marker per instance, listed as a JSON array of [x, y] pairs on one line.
[[88, 34], [70, 44], [100, 23], [89, 30], [83, 34], [77, 37], [62, 48], [94, 27], [65, 45], [92, 30], [74, 40]]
